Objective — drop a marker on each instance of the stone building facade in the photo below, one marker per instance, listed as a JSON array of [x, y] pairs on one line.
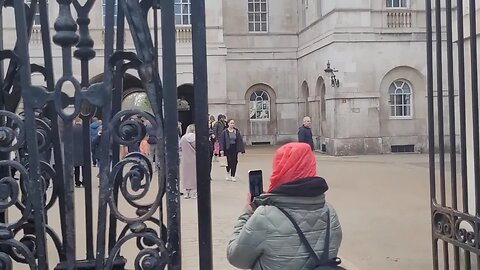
[[267, 69]]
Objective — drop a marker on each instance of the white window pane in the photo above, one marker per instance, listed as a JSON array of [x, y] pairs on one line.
[[389, 3], [178, 19], [263, 7], [178, 9], [257, 26], [185, 9], [392, 111], [250, 7], [257, 17], [404, 3], [186, 19], [257, 7], [396, 3], [251, 27]]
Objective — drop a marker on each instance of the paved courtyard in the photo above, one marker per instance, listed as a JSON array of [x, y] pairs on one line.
[[382, 202]]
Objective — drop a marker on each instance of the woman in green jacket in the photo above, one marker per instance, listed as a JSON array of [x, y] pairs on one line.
[[265, 239]]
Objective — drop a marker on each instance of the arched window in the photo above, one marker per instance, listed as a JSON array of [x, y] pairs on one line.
[[260, 105], [400, 99]]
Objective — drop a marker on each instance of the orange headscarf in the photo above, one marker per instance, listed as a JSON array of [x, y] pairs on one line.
[[292, 161]]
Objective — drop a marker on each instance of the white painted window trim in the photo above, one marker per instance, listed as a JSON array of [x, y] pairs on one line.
[[181, 14], [401, 117], [267, 7], [407, 5], [269, 105]]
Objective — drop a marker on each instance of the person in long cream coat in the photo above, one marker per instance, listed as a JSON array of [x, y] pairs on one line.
[[188, 167]]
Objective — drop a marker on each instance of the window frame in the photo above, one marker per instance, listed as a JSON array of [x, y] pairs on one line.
[[407, 4], [267, 17], [181, 14], [395, 105], [262, 101]]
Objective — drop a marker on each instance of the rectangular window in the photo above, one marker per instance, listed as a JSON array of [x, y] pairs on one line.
[[257, 16], [396, 3], [104, 12], [182, 12]]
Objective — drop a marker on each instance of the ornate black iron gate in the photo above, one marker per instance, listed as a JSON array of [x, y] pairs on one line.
[[455, 210], [33, 183]]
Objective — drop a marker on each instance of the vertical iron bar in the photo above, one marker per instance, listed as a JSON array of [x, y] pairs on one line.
[[87, 179], [52, 115], [34, 182], [463, 132], [156, 7], [200, 82], [441, 139], [85, 53], [105, 140], [70, 245], [441, 135], [169, 63], [431, 127], [117, 107], [461, 93], [474, 81], [3, 156], [451, 120]]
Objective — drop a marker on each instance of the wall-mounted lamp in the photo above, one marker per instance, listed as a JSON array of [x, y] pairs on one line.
[[333, 79]]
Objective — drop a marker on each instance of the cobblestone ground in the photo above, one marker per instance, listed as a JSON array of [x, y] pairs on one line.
[[382, 202]]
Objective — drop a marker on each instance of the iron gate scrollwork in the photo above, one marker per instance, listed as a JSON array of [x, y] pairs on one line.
[[40, 177], [455, 197]]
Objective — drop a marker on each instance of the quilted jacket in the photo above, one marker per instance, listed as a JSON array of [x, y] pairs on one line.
[[267, 240]]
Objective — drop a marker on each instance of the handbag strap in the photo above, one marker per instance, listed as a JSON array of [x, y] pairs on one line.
[[324, 258]]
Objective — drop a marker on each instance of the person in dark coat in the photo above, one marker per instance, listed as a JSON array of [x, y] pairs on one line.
[[77, 131], [305, 133], [94, 126], [217, 128], [231, 143]]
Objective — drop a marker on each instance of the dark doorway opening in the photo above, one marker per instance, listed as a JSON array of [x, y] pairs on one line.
[[186, 105]]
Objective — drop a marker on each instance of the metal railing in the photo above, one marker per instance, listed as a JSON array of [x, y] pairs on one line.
[[455, 197], [41, 177]]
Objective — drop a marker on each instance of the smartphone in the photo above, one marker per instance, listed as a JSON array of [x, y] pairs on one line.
[[255, 180]]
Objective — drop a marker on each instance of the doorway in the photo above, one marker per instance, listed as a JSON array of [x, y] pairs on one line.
[[186, 105]]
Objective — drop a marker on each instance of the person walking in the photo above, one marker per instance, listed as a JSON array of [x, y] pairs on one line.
[[77, 132], [188, 165], [94, 126], [305, 132], [218, 127], [268, 235], [231, 143]]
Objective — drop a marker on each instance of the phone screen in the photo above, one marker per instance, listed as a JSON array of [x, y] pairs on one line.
[[255, 180]]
